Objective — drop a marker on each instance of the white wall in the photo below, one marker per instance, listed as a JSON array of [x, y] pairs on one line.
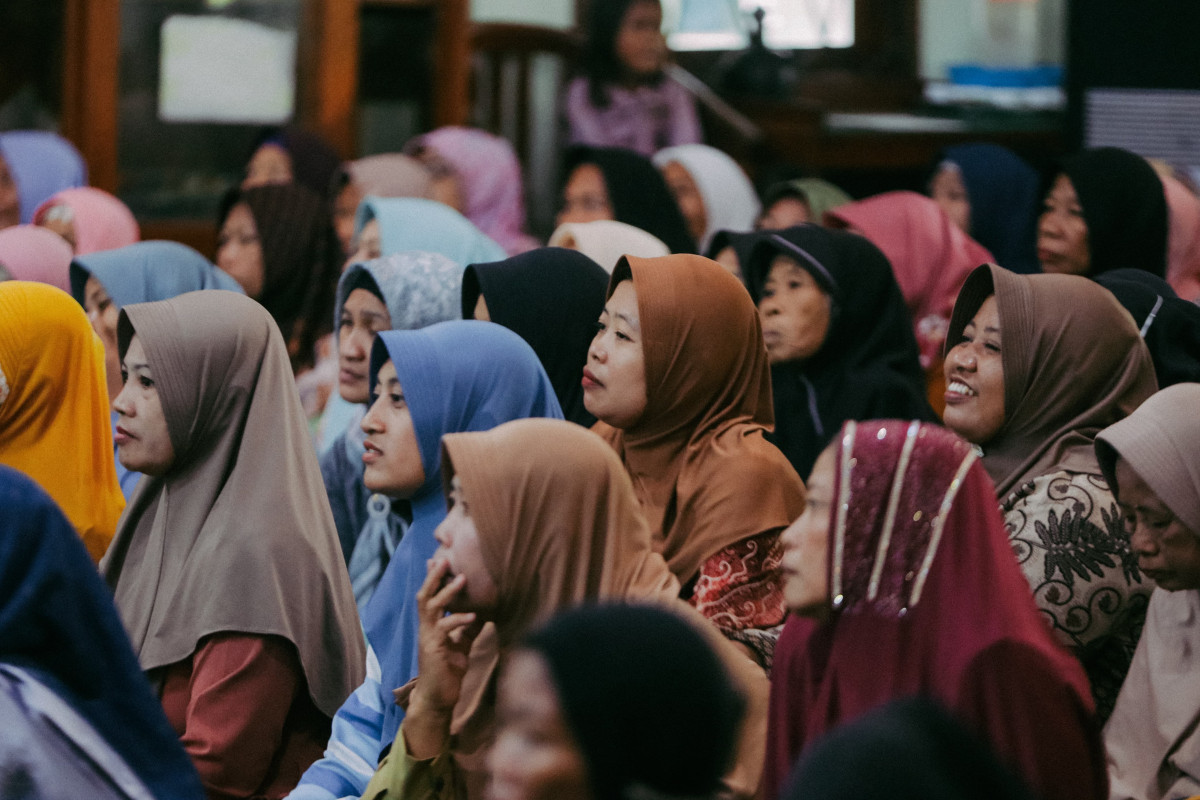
[[1014, 33]]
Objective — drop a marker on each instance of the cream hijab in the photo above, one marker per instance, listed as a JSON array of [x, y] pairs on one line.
[[237, 535], [1074, 363]]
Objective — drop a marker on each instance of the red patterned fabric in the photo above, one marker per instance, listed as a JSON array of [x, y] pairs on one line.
[[739, 586]]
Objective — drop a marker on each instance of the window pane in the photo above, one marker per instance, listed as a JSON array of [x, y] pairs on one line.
[[789, 24]]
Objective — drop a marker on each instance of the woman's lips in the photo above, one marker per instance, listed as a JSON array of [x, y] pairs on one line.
[[122, 436], [371, 453], [589, 380], [346, 376]]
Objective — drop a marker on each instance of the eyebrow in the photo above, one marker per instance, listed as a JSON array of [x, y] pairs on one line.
[[633, 323], [132, 367]]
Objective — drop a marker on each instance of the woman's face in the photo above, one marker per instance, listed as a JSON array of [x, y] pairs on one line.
[[1167, 551], [974, 375], [102, 312], [795, 312], [345, 206], [585, 198], [948, 191], [640, 46], [784, 213], [458, 546], [239, 250], [363, 316], [10, 202], [535, 756], [687, 197], [1062, 239], [269, 165], [614, 380], [806, 545], [370, 245], [142, 438], [392, 459]]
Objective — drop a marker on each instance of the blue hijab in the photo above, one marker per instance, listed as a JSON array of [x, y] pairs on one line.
[[413, 223], [457, 376], [58, 622], [143, 273], [43, 164], [1005, 202]]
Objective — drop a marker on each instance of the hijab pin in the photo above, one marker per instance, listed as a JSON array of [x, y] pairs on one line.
[[882, 434], [839, 601]]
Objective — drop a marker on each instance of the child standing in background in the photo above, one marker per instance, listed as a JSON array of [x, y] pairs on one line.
[[623, 99]]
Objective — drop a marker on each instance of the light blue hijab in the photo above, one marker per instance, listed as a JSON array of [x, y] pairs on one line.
[[142, 273], [457, 376], [413, 223], [42, 163]]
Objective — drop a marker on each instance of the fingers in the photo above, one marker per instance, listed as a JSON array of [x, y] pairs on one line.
[[435, 570]]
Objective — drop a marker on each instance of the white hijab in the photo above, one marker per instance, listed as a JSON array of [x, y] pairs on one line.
[[730, 202]]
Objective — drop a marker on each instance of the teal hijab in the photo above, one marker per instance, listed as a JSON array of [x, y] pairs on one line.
[[147, 272], [413, 223]]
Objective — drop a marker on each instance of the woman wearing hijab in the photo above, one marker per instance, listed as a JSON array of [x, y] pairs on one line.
[[39, 164], [407, 291], [487, 177], [901, 583], [385, 226], [1106, 210], [275, 241], [447, 378], [383, 175], [71, 730], [54, 409], [1183, 238], [838, 337], [794, 202], [610, 183], [551, 297], [226, 568], [542, 518], [104, 283], [606, 240], [1169, 326], [1038, 365], [32, 253], [89, 219], [930, 256], [992, 194], [680, 380], [710, 188], [293, 155], [1152, 460]]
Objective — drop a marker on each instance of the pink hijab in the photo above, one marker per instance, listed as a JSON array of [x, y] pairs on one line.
[[930, 255], [489, 176], [102, 222], [30, 253], [1183, 241]]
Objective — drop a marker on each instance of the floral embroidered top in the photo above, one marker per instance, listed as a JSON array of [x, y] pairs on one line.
[[1069, 537]]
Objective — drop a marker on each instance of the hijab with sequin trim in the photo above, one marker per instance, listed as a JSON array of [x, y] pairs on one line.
[[701, 464], [1073, 362], [54, 423], [925, 598], [237, 534], [100, 220]]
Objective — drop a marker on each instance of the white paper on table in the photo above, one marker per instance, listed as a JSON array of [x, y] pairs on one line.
[[221, 69]]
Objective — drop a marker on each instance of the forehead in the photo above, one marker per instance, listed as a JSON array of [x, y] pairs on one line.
[[786, 265]]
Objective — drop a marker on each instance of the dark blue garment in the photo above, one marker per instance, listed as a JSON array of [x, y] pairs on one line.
[[58, 622], [1004, 194], [456, 376]]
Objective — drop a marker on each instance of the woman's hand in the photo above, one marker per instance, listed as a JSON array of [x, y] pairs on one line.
[[444, 642]]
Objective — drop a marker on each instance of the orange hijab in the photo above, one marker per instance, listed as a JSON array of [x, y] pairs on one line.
[[704, 472], [54, 419]]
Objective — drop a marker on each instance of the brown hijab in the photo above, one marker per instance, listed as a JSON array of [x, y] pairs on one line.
[[559, 526], [706, 476], [1074, 363], [237, 535]]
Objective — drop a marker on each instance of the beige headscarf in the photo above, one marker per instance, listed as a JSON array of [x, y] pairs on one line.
[[237, 535], [391, 175], [559, 525], [1074, 364], [702, 467], [606, 240]]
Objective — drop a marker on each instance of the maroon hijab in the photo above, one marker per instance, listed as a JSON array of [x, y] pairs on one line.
[[928, 600]]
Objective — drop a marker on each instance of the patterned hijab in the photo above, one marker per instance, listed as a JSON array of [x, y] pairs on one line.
[[32, 253], [412, 223], [418, 288], [54, 422], [702, 467], [42, 163], [925, 597], [101, 221], [1073, 365], [58, 622], [237, 534]]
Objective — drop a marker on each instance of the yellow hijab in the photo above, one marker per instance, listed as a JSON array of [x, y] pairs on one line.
[[54, 419]]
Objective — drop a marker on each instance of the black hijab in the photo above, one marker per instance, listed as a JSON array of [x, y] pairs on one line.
[[1125, 208], [1170, 326], [551, 298], [741, 242], [868, 367], [638, 194]]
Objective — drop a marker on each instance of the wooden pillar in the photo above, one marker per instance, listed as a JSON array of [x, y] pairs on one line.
[[91, 52], [452, 57]]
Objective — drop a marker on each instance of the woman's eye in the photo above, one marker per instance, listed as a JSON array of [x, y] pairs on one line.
[[995, 348], [795, 285], [601, 327], [124, 376], [146, 383], [345, 323]]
